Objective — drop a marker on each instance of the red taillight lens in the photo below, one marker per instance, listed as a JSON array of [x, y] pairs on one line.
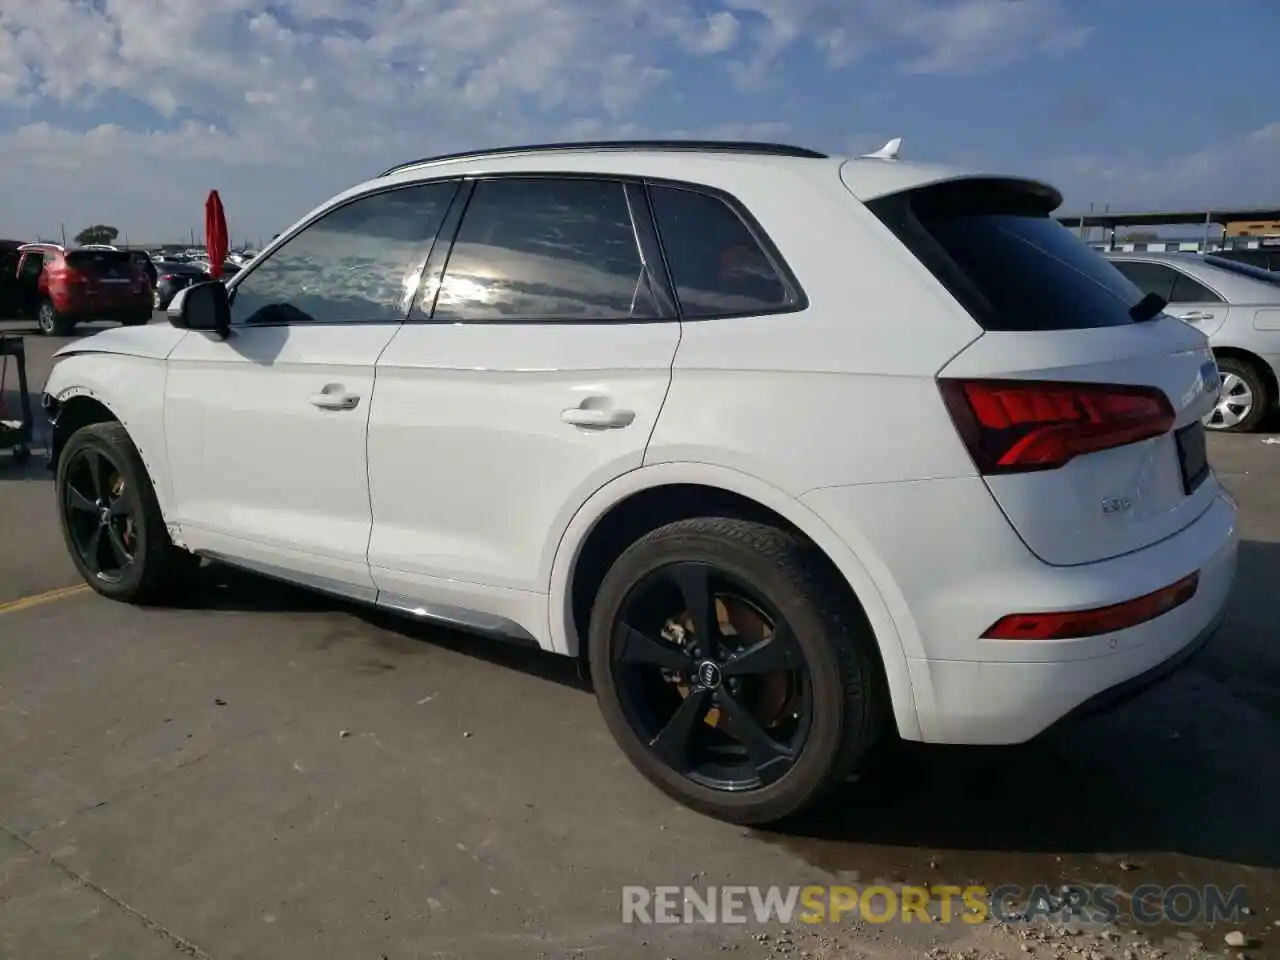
[[1091, 623], [1013, 426]]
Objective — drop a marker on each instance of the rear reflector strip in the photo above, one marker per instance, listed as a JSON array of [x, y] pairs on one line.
[[1090, 623], [1016, 426]]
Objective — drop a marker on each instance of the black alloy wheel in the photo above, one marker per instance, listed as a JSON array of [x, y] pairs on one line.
[[711, 677], [734, 669], [111, 519], [102, 513]]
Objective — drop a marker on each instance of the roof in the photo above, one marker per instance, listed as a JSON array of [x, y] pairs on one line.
[[745, 147], [869, 176], [1165, 218]]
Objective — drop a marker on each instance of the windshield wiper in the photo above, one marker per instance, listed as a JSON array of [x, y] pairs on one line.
[[1148, 308]]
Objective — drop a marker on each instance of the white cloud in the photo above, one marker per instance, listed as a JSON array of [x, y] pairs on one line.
[[1244, 171], [280, 105]]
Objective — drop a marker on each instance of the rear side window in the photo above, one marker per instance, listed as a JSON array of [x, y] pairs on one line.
[[718, 267], [103, 264], [1149, 277], [542, 249], [995, 247], [1188, 290]]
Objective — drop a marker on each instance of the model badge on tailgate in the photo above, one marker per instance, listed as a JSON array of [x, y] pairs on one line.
[[1114, 505]]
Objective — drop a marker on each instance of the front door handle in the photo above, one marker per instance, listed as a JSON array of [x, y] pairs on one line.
[[1195, 315], [334, 396], [608, 418]]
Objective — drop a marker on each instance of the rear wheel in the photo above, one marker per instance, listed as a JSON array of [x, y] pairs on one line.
[[111, 520], [731, 670], [1244, 399], [50, 322]]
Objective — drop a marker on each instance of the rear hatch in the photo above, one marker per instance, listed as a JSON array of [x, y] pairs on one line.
[[1080, 406], [108, 276]]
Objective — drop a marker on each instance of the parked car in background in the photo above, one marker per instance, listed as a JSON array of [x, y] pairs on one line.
[[1268, 258], [172, 277], [142, 260], [628, 409], [1237, 307], [64, 287]]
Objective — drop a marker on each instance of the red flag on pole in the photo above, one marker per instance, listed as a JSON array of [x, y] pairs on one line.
[[215, 233]]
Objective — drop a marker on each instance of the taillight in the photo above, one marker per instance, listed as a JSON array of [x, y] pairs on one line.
[[1090, 623], [1015, 426]]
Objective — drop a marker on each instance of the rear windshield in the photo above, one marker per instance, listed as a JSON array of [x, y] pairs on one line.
[[101, 263], [995, 246]]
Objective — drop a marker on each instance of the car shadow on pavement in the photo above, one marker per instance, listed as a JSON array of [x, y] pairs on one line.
[[1188, 767], [223, 588]]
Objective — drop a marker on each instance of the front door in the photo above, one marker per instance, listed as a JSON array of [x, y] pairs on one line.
[[537, 380], [266, 430]]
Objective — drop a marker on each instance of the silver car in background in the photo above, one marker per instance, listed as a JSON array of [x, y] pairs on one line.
[[1238, 308]]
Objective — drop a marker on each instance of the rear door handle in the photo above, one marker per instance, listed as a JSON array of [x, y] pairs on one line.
[[1195, 315], [334, 396], [600, 419]]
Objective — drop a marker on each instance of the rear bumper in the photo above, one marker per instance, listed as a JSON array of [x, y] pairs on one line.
[[948, 575]]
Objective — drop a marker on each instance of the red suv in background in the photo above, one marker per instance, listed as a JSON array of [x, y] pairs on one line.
[[64, 287]]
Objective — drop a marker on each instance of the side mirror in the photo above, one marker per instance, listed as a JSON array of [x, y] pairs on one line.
[[202, 306]]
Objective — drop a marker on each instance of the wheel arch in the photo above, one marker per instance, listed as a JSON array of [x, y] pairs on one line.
[[1254, 360], [86, 388], [648, 497]]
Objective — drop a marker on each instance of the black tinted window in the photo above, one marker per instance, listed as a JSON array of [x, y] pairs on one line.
[[718, 267], [545, 249], [1189, 290], [360, 262], [996, 248], [1148, 277]]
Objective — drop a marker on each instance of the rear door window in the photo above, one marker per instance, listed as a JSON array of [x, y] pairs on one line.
[[995, 246], [546, 249], [1149, 277], [1189, 290], [718, 266]]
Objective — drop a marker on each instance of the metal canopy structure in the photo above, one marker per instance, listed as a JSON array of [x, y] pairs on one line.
[[1167, 218]]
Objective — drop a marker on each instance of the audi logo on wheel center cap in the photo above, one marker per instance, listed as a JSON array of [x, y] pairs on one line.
[[709, 674]]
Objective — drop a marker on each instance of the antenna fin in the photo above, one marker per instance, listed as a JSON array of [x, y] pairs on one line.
[[890, 151]]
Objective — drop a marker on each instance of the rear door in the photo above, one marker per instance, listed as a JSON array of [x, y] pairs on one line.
[[1056, 315], [535, 379], [1189, 299]]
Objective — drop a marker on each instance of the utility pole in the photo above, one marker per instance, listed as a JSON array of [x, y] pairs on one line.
[[63, 228]]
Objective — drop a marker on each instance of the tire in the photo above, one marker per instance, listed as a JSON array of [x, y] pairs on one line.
[[1240, 375], [51, 322], [136, 322], [847, 699], [157, 569]]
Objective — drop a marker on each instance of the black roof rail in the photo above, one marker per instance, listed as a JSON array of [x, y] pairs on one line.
[[701, 146]]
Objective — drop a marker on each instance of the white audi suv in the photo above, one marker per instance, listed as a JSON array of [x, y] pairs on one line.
[[796, 453]]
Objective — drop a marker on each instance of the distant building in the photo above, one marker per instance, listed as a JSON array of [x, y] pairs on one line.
[[1252, 228]]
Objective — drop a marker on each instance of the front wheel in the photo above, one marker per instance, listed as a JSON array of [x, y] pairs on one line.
[[111, 520], [732, 670], [1243, 400]]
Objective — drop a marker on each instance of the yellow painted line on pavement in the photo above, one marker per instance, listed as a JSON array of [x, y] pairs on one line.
[[39, 599]]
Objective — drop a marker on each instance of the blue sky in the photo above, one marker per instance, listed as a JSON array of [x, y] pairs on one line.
[[127, 112]]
